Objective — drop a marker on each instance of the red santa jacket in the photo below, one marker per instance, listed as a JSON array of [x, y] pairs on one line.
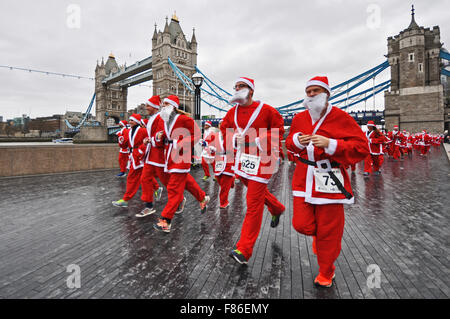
[[179, 137], [209, 137], [221, 166], [152, 153], [120, 134], [348, 145], [133, 140], [262, 126], [376, 141]]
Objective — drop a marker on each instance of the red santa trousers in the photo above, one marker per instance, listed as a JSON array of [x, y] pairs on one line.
[[225, 182], [148, 183], [372, 163], [123, 162], [368, 164], [326, 222], [133, 183], [396, 152], [254, 215], [205, 166], [424, 149], [176, 184]]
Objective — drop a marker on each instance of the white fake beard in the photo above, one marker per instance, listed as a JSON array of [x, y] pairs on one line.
[[240, 97], [315, 105], [165, 112]]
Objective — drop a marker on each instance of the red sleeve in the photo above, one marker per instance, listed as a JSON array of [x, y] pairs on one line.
[[351, 143], [292, 145]]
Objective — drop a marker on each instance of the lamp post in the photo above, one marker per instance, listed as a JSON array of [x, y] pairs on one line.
[[197, 79]]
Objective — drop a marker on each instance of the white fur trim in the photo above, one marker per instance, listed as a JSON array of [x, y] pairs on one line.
[[332, 145], [175, 105], [250, 84], [298, 194], [153, 105], [132, 118], [318, 83], [154, 164], [253, 178], [258, 144], [175, 142], [296, 142], [176, 170]]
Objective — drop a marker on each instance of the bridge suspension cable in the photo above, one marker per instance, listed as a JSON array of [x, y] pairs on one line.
[[217, 95], [88, 112]]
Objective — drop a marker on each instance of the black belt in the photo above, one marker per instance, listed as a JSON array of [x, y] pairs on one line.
[[332, 175]]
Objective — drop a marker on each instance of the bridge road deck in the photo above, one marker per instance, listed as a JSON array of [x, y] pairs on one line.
[[400, 222]]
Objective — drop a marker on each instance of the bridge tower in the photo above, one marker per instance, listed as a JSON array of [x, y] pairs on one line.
[[172, 43], [110, 101], [416, 99]]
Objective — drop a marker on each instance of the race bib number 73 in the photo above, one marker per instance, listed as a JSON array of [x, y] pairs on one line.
[[324, 182]]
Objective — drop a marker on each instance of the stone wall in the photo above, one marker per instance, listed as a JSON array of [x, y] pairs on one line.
[[415, 109], [43, 159]]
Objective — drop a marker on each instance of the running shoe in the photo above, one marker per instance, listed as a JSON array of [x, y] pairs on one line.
[[204, 204], [121, 174], [181, 206], [120, 203], [146, 212], [205, 178], [275, 221], [238, 256], [225, 206], [158, 194], [162, 225], [322, 281]]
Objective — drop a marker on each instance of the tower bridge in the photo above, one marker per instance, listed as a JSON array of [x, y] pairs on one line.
[[414, 96]]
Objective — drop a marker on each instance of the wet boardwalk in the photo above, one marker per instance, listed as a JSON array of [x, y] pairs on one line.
[[400, 223]]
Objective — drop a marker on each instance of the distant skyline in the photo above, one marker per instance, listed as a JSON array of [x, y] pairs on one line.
[[280, 44]]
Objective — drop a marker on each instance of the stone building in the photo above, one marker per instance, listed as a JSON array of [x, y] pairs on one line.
[[110, 101], [172, 43], [416, 98]]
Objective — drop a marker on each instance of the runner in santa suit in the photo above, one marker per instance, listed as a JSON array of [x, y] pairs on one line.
[[325, 140], [404, 143], [409, 142], [207, 157], [396, 137], [178, 137], [123, 152], [150, 186], [373, 161], [133, 140], [254, 129], [223, 170], [426, 143]]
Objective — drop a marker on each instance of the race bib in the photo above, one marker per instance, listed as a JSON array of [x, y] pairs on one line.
[[220, 166], [250, 164], [324, 182]]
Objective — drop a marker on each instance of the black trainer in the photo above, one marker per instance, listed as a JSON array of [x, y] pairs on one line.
[[275, 221]]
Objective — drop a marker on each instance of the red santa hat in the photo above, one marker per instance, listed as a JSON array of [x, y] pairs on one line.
[[248, 81], [172, 100], [154, 101], [123, 123], [395, 127], [321, 81], [208, 123], [136, 118], [371, 123]]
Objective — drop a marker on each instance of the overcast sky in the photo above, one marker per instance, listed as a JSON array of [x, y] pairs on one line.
[[281, 44]]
